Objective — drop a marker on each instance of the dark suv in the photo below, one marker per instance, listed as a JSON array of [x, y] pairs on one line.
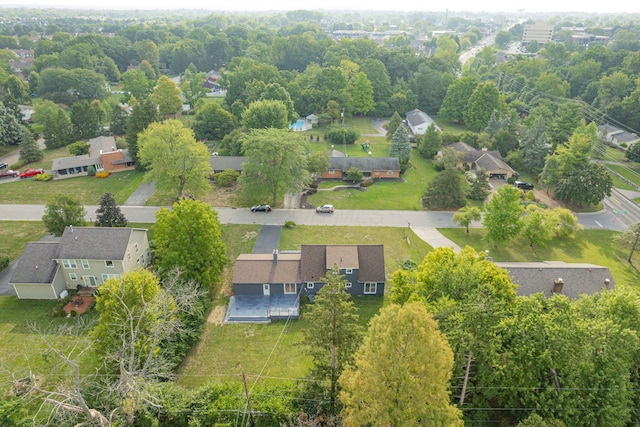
[[523, 185]]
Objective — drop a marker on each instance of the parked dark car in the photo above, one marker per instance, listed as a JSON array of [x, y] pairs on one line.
[[8, 172], [261, 208], [4, 165], [325, 209], [523, 185]]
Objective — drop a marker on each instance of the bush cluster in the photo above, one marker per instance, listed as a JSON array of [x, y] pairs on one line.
[[367, 183], [17, 165], [103, 174], [4, 261], [43, 177]]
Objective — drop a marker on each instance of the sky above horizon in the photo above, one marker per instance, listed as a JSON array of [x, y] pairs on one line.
[[613, 6]]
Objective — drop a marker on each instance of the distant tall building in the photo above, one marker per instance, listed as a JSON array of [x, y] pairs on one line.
[[537, 32]]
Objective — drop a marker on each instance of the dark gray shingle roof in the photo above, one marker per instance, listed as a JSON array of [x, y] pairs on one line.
[[36, 264], [536, 277], [100, 243], [220, 163], [365, 164]]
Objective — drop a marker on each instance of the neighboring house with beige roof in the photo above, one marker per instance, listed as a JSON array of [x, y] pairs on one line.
[[103, 156], [268, 286], [489, 161], [84, 256]]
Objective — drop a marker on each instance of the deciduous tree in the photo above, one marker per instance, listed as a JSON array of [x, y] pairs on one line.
[[445, 191], [483, 101], [266, 114], [397, 379], [166, 96], [174, 159], [275, 162], [189, 238], [430, 143], [457, 97], [62, 212], [362, 94], [502, 215], [212, 122], [466, 215]]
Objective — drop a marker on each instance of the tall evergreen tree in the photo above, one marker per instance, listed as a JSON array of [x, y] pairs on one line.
[[29, 149], [445, 191], [118, 124], [144, 113], [534, 146], [430, 143], [332, 338], [10, 128], [109, 214], [392, 125], [401, 146], [58, 130]]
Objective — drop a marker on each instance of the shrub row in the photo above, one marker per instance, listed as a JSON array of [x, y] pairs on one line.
[[103, 174], [43, 177]]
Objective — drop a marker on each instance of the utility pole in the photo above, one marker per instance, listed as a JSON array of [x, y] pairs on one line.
[[246, 392], [344, 137], [466, 378]]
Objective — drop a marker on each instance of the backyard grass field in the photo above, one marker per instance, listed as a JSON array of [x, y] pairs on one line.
[[16, 235]]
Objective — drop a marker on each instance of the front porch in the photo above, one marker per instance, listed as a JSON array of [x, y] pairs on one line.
[[261, 308]]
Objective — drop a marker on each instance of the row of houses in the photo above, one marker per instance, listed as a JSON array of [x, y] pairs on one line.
[[266, 286]]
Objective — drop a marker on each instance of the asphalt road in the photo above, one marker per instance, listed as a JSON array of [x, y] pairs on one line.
[[366, 218]]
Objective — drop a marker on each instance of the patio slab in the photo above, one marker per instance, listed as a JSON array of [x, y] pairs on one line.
[[261, 309]]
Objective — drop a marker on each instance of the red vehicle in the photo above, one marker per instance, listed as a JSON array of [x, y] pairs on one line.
[[30, 172], [8, 172]]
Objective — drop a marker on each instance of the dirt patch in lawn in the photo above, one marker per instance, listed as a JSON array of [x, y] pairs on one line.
[[216, 317], [223, 197]]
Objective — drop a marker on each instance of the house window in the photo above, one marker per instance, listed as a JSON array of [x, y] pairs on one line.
[[370, 287], [347, 285], [129, 256], [348, 271], [69, 263], [389, 172], [332, 171], [106, 277], [135, 246], [85, 264], [289, 288], [138, 260], [73, 276], [310, 285], [108, 264]]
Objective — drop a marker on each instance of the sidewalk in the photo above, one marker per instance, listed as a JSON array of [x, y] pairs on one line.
[[433, 237]]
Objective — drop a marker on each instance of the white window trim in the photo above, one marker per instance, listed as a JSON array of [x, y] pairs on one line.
[[69, 263], [332, 171], [85, 264], [106, 264], [375, 288], [348, 270], [310, 285], [389, 172], [135, 246], [295, 288], [73, 276], [347, 285]]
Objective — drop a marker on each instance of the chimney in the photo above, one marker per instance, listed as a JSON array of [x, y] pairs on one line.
[[557, 285], [275, 256]]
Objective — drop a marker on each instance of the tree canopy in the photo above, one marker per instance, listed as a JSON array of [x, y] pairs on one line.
[[61, 212], [174, 159]]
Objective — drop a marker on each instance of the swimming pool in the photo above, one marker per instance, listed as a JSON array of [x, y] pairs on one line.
[[299, 125]]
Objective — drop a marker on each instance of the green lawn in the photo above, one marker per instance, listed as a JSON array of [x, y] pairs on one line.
[[589, 246], [449, 126], [8, 149], [627, 172], [378, 145], [23, 349], [49, 155], [384, 195], [16, 235], [88, 189], [275, 351], [396, 249]]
